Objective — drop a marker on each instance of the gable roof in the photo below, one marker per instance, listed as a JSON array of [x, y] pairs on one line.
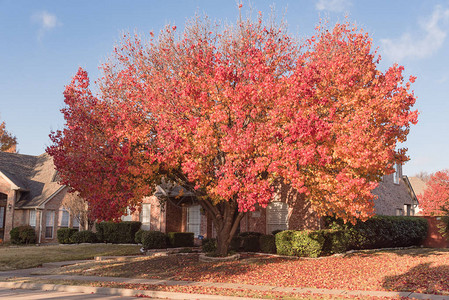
[[33, 175], [418, 185]]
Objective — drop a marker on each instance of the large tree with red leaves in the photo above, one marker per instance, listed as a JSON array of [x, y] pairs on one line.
[[434, 201], [226, 113]]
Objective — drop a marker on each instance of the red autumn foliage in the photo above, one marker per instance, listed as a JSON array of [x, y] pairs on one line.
[[435, 199], [225, 113]]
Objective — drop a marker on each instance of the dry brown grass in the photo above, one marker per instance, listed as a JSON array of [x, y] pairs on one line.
[[22, 257]]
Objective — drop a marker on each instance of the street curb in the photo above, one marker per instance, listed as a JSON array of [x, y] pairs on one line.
[[115, 291]]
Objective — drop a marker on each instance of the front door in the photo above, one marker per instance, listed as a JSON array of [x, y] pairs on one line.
[[3, 198]]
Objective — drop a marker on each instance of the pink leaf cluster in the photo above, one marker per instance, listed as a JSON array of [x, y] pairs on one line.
[[435, 199]]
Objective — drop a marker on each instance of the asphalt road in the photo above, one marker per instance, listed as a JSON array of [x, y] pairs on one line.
[[6, 293]]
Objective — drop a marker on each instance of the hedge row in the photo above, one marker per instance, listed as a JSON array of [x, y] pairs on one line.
[[73, 236], [377, 232], [117, 233], [246, 241], [158, 240]]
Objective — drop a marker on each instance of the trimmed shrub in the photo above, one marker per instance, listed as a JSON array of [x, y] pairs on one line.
[[300, 243], [247, 241], [249, 233], [383, 232], [85, 236], [117, 233], [250, 243], [335, 241], [209, 245], [64, 235], [154, 240], [180, 239], [138, 236], [236, 243], [23, 235], [267, 243], [283, 241]]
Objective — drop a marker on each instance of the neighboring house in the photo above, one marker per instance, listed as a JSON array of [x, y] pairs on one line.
[[31, 195], [418, 186], [395, 195], [180, 212]]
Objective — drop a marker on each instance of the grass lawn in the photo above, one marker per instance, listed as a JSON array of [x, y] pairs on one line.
[[21, 257], [414, 270]]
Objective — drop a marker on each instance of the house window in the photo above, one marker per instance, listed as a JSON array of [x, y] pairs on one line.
[[194, 220], [76, 222], [277, 216], [399, 212], [2, 217], [408, 210], [145, 216], [128, 216], [49, 224], [64, 218], [396, 174], [32, 221]]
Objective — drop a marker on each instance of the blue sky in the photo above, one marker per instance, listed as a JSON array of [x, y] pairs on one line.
[[44, 43]]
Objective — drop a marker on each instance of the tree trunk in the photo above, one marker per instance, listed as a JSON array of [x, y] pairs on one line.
[[226, 220]]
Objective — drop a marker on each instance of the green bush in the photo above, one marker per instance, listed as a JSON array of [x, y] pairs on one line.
[[236, 243], [383, 232], [180, 239], [138, 236], [154, 240], [85, 236], [300, 243], [64, 235], [246, 241], [23, 235], [249, 233], [267, 243], [335, 241], [250, 243], [283, 241], [209, 245], [117, 233]]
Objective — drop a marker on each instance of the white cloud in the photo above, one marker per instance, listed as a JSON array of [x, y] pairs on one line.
[[333, 5], [433, 34], [46, 22]]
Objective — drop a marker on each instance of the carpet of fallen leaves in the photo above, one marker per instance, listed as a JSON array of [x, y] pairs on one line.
[[209, 290], [415, 270]]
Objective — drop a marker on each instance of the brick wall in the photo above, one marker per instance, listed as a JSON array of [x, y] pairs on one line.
[[53, 205], [174, 217], [391, 196], [300, 214], [434, 238]]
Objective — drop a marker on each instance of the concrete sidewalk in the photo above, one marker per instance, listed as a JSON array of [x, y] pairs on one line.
[[34, 274]]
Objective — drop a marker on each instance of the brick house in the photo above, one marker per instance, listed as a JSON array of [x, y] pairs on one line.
[[290, 211], [30, 195]]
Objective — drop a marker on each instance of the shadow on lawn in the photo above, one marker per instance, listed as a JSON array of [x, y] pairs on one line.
[[413, 252], [422, 279], [173, 267]]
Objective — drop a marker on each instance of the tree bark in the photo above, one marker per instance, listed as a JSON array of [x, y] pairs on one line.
[[226, 219]]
